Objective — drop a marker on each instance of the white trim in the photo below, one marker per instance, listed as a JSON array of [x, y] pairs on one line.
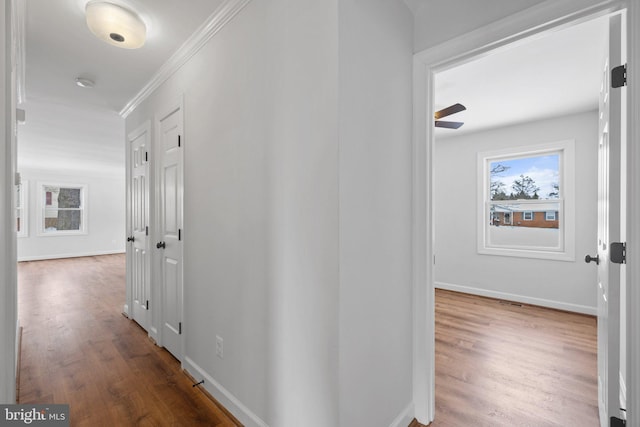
[[70, 255], [224, 396], [24, 209], [542, 302], [623, 392], [19, 44], [404, 418], [633, 213], [198, 39], [550, 15]]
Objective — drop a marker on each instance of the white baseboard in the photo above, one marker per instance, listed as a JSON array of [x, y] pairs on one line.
[[623, 392], [404, 418], [558, 305], [71, 255], [222, 395]]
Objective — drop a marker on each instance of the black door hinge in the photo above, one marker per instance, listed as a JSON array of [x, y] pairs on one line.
[[619, 76], [618, 253], [179, 141], [179, 328], [179, 234], [147, 304], [147, 230], [617, 422], [146, 156]]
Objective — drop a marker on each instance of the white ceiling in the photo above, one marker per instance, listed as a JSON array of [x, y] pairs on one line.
[[548, 76], [60, 47]]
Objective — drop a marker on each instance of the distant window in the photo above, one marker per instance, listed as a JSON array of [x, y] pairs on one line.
[[21, 209], [531, 189], [62, 210]]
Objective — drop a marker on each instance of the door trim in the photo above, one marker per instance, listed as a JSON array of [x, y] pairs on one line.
[[550, 15]]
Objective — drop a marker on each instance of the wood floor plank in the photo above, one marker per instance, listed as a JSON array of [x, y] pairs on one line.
[[499, 364], [78, 349]]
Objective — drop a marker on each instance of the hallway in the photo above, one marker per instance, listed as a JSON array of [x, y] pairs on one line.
[[78, 349]]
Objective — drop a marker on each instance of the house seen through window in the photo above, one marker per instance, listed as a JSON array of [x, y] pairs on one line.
[[524, 201], [62, 209]]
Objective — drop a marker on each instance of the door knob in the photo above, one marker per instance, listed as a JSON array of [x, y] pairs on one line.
[[161, 245], [130, 239], [589, 259]]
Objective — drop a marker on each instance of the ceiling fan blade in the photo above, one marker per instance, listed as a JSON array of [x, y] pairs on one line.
[[455, 108], [448, 125]]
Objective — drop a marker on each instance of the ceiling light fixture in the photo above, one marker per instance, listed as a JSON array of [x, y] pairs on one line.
[[84, 82], [115, 25]]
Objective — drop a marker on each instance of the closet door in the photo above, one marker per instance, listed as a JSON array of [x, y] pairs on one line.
[[169, 246], [138, 238]]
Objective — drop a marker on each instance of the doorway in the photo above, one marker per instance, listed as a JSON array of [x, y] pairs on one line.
[[428, 63]]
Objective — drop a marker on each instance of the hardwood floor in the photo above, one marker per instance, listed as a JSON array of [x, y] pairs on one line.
[[78, 348], [496, 364], [504, 365]]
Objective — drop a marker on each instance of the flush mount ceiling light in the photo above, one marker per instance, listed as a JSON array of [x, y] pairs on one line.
[[115, 25], [84, 82]]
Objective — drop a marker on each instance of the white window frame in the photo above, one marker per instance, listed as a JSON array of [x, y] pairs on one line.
[[565, 251], [24, 209], [42, 207], [552, 217], [526, 214]]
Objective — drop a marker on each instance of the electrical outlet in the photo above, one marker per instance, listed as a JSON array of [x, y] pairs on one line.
[[219, 347]]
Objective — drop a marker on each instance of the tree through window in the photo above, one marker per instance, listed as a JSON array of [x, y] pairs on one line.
[[524, 200]]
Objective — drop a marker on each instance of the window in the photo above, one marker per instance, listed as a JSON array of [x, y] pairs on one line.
[[526, 201], [62, 209], [21, 209]]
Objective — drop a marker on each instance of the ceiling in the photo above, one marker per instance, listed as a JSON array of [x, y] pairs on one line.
[[548, 76], [60, 47]]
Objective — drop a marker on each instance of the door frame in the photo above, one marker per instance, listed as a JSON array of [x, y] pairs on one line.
[[548, 16]]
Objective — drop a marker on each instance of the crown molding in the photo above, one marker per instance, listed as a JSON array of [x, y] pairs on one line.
[[198, 39]]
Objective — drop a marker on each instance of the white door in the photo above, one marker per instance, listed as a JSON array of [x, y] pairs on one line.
[[139, 256], [609, 214], [170, 229]]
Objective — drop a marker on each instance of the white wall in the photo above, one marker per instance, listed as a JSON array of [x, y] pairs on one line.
[[375, 212], [560, 284], [297, 251], [105, 216], [60, 144], [437, 22], [260, 232]]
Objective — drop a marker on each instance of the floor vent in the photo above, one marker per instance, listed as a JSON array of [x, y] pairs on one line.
[[515, 304]]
